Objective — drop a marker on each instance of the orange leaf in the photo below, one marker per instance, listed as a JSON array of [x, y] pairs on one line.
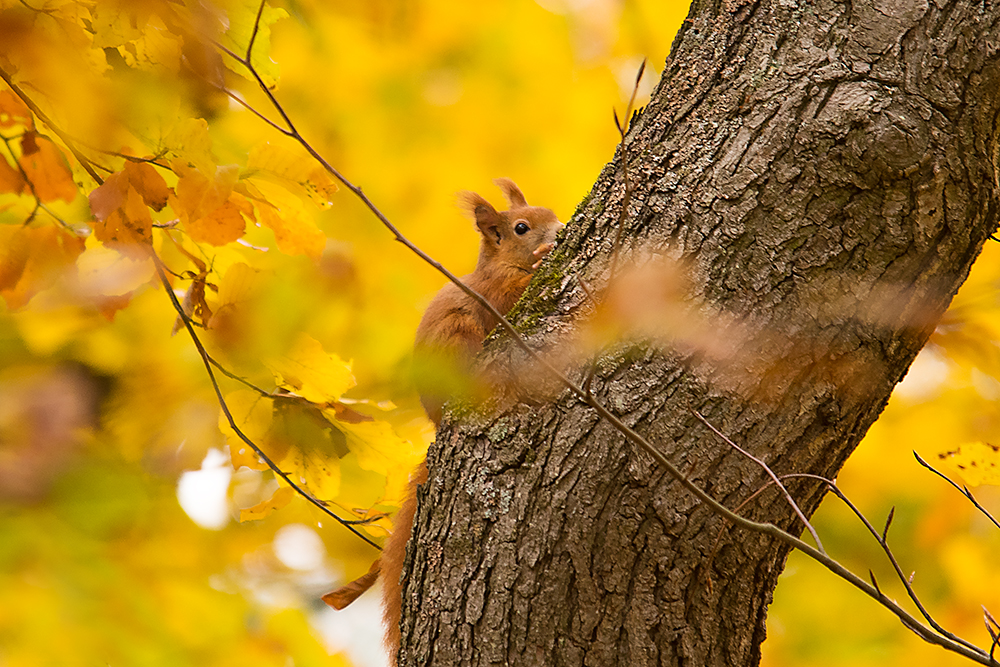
[[149, 183], [123, 220], [13, 255], [13, 111], [109, 305], [293, 231], [110, 196], [281, 498], [10, 178], [210, 210], [46, 169], [222, 225]]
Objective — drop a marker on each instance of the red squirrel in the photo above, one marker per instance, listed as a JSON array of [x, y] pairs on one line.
[[449, 336]]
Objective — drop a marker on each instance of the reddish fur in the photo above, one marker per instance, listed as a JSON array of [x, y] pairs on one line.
[[450, 335]]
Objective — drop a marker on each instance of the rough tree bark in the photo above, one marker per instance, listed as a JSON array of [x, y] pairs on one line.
[[826, 173]]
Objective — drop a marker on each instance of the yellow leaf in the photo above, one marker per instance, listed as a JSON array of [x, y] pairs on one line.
[[293, 168], [239, 285], [102, 271], [319, 475], [231, 320], [282, 212], [380, 449], [191, 143], [242, 24], [293, 232], [280, 499], [308, 371], [977, 462], [154, 47]]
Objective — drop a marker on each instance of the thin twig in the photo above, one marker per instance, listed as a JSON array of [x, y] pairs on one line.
[[962, 489], [206, 359], [626, 199], [993, 628], [880, 538], [233, 376], [770, 473]]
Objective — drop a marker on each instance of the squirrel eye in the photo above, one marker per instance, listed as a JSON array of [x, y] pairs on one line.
[[521, 229]]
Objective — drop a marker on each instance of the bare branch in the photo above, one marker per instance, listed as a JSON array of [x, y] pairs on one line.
[[888, 522], [770, 473], [906, 581], [962, 489], [206, 359]]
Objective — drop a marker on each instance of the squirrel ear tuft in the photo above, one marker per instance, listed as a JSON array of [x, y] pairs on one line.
[[511, 193], [482, 212]]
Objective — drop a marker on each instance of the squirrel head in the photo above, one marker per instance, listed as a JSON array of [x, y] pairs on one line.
[[510, 237]]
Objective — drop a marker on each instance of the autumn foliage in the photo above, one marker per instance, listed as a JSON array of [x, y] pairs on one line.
[[140, 155]]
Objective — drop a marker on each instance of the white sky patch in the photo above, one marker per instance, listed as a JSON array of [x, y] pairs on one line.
[[298, 547], [924, 379], [203, 493], [357, 630]]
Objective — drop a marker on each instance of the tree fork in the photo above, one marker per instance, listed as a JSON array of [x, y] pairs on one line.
[[826, 174]]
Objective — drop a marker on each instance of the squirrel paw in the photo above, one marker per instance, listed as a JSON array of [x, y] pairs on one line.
[[540, 252]]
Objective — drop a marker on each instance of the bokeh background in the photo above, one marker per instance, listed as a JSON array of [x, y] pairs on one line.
[[120, 538]]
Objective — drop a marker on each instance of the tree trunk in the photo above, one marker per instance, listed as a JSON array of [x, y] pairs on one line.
[[822, 175]]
